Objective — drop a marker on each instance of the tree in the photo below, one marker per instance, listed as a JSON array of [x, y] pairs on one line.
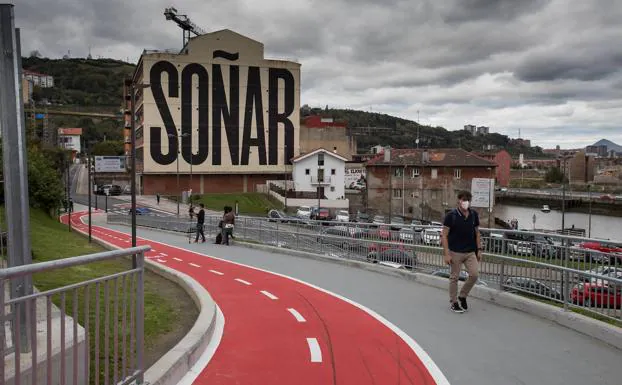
[[110, 147], [554, 175], [35, 54]]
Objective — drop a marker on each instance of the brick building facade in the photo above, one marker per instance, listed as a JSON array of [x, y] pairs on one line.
[[503, 160], [422, 184]]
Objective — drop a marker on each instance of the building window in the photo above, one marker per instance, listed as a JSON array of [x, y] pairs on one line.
[[333, 172], [415, 172], [397, 193], [398, 172], [335, 149], [434, 173], [307, 172], [457, 173], [332, 188], [320, 159]]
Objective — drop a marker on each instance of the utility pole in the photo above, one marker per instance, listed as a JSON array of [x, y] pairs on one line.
[[15, 169], [88, 162], [589, 226]]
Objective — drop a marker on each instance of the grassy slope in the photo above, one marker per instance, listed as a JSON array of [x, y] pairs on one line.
[[51, 240], [250, 203]]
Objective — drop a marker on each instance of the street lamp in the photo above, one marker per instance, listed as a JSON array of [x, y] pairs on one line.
[[178, 151], [133, 88], [589, 226]]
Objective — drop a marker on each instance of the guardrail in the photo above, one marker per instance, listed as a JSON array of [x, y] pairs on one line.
[[550, 267], [60, 323]]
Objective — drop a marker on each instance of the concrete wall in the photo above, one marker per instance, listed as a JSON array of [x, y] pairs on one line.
[[326, 203], [204, 183], [331, 138]]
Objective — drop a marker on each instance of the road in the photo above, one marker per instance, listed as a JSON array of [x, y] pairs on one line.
[[115, 205], [264, 343], [556, 191]]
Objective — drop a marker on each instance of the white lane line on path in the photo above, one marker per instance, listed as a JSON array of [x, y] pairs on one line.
[[166, 255], [269, 295], [177, 259], [161, 261], [194, 264], [243, 281], [216, 272], [297, 315], [314, 348], [433, 369]]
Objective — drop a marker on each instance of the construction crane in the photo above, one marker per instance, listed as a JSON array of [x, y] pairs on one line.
[[187, 26]]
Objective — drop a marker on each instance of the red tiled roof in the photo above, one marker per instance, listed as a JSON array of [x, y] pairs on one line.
[[70, 131], [445, 157]]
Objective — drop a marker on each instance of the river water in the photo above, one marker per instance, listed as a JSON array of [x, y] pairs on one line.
[[603, 227]]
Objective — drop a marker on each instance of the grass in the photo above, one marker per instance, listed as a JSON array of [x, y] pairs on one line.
[[52, 240], [249, 203]]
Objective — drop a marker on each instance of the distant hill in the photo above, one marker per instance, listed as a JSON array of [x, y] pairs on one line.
[[402, 133], [83, 82], [610, 145]]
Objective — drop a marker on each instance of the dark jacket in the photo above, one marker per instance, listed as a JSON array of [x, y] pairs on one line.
[[201, 216], [229, 218]]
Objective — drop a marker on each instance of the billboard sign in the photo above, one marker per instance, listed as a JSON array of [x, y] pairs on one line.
[[221, 106], [482, 190], [110, 164], [353, 175]]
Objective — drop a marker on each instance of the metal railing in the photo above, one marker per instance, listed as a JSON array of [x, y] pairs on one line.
[[552, 267], [87, 332]]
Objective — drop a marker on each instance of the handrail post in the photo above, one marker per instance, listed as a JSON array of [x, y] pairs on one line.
[[140, 317]]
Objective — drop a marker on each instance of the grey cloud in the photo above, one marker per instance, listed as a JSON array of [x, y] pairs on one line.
[[460, 11], [510, 62], [586, 66]]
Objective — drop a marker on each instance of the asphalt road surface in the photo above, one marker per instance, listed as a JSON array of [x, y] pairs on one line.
[[489, 345]]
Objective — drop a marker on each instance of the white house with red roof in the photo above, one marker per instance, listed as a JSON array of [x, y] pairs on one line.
[[39, 79], [69, 138]]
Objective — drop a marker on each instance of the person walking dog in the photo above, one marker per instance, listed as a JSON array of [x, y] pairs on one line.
[[461, 245]]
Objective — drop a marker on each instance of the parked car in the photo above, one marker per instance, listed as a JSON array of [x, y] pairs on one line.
[[604, 252], [462, 277], [109, 189], [394, 255], [303, 212], [417, 225], [431, 236], [320, 214], [280, 216], [362, 217], [141, 211], [590, 294], [519, 248], [378, 220], [408, 235], [606, 271], [340, 236], [343, 216], [533, 286], [397, 223]]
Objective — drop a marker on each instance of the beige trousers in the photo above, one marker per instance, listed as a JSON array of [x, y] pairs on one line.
[[472, 267]]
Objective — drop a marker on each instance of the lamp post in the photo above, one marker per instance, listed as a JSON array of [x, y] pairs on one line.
[[403, 192], [589, 226], [178, 151], [88, 163], [133, 88], [491, 186]]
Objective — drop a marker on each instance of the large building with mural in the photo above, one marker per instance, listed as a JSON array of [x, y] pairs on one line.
[[218, 115]]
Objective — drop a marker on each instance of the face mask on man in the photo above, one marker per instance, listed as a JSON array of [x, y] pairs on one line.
[[464, 205]]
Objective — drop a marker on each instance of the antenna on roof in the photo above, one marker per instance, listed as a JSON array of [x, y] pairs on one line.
[[187, 26]]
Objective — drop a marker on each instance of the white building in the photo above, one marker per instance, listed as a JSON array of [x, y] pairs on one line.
[[377, 149], [40, 80], [69, 138], [320, 169]]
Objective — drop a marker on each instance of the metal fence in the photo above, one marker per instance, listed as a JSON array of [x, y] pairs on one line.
[[87, 332], [556, 268]]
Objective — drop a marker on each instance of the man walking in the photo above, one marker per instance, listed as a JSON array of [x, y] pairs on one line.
[[200, 222], [461, 245]]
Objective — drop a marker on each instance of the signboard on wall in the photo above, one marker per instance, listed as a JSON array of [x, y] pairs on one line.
[[221, 106], [482, 190], [353, 175], [110, 164]]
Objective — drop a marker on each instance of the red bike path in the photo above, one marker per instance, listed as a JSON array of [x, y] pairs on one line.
[[283, 331]]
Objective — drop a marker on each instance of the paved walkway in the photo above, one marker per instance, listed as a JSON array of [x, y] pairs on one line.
[[264, 342]]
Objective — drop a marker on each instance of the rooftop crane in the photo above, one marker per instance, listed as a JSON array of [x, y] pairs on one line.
[[187, 26]]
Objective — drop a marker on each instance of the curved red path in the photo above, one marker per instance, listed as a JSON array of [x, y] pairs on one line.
[[264, 343]]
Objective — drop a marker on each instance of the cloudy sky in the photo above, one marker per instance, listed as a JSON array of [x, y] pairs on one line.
[[552, 68]]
